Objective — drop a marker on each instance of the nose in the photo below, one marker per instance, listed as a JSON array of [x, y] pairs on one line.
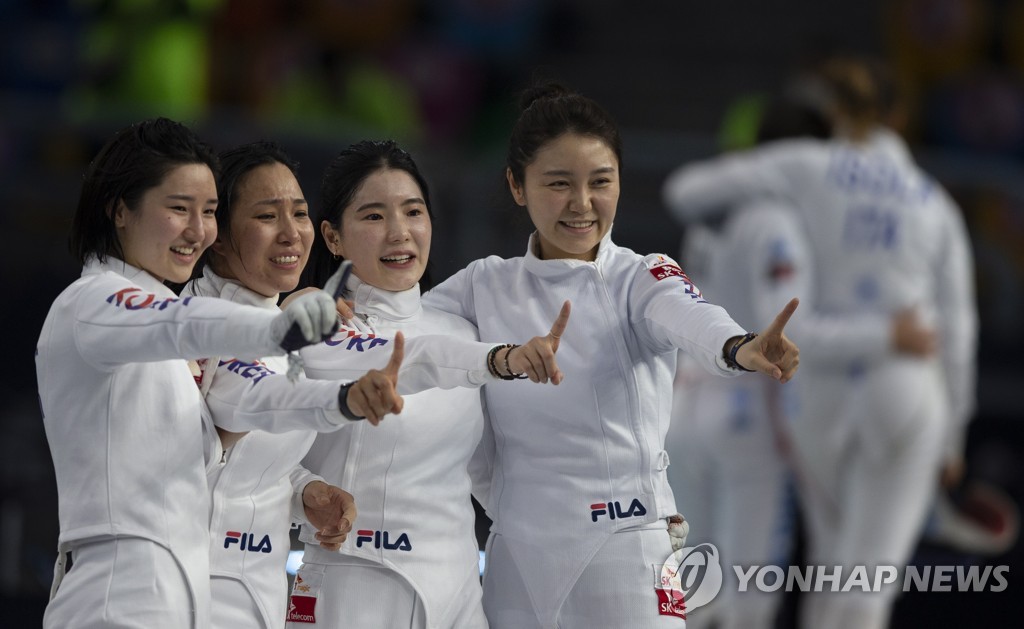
[[579, 202], [289, 231], [398, 230], [195, 231]]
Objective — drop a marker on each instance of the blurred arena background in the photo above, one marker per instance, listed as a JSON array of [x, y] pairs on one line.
[[441, 77]]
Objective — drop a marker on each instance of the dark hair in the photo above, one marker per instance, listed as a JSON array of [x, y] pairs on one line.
[[550, 110], [791, 115], [235, 164], [855, 92], [342, 179], [134, 161]]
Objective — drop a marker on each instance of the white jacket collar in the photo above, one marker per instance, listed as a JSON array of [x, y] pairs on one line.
[[213, 285], [133, 273], [561, 266], [394, 306]]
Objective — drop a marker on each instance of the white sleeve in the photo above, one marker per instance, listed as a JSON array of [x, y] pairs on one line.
[[958, 322], [698, 190], [668, 311], [299, 478], [431, 361], [455, 295], [117, 323], [259, 399]]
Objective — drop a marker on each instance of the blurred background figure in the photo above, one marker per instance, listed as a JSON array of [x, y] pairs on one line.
[[880, 413], [729, 438]]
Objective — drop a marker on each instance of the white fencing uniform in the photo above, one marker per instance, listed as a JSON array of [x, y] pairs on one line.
[[874, 425], [122, 418], [579, 488], [729, 437], [411, 560], [251, 488]]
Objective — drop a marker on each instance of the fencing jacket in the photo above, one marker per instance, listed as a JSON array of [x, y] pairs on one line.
[[577, 462], [122, 413], [409, 474], [255, 487], [884, 236]]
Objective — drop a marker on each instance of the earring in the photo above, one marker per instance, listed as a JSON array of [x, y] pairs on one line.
[[336, 257]]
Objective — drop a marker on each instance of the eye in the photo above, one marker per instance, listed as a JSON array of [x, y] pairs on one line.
[[266, 216], [415, 212], [301, 213], [179, 208], [373, 216], [602, 181], [210, 211], [560, 184]]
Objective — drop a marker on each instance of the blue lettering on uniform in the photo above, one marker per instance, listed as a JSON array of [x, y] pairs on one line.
[[614, 510], [381, 539], [246, 541], [134, 299], [356, 340], [254, 371]]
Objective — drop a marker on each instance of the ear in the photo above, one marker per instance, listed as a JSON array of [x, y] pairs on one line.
[[332, 238], [515, 188], [119, 214]]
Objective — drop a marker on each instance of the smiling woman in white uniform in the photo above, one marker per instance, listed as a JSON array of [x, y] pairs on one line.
[[120, 406], [412, 559], [579, 493], [263, 242]]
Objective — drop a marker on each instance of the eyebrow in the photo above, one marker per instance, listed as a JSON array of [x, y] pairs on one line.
[[377, 204], [276, 200], [567, 173], [188, 197]]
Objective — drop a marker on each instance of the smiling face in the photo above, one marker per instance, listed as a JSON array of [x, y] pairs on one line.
[[385, 231], [172, 225], [571, 191], [271, 232]]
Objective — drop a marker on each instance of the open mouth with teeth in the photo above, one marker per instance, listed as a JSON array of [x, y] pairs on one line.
[[184, 251], [578, 224], [400, 260], [286, 260]]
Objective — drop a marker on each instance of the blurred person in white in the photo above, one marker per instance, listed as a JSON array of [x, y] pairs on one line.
[[584, 518], [413, 562], [729, 437], [120, 407], [888, 342], [257, 487]]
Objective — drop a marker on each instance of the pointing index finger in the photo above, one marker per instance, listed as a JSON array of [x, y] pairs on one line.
[[782, 318], [397, 354], [558, 327]]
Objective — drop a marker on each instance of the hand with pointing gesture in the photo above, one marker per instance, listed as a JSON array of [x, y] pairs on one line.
[[375, 395], [536, 358], [771, 352]]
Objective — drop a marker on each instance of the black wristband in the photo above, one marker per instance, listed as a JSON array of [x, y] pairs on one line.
[[346, 412], [730, 358]]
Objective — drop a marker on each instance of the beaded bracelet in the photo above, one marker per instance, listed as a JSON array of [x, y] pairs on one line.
[[491, 367], [730, 358], [511, 375]]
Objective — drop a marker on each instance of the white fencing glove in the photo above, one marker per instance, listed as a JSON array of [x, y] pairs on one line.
[[310, 319], [678, 529]]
